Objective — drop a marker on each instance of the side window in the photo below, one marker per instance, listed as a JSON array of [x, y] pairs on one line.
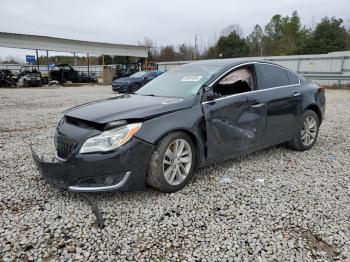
[[236, 82], [272, 76], [293, 79]]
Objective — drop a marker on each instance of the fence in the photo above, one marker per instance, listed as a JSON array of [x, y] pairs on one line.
[[329, 69], [15, 68]]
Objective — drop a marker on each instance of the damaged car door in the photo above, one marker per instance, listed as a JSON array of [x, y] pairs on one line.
[[235, 115]]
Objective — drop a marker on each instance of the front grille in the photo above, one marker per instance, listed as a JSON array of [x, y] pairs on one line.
[[65, 146]]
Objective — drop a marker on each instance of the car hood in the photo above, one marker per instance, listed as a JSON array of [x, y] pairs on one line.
[[125, 107]]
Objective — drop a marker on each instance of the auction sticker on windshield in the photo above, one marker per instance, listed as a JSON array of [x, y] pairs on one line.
[[191, 78]]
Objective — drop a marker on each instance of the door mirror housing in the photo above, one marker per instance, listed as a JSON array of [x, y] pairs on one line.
[[212, 96]]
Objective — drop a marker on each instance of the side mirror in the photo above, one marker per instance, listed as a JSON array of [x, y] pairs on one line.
[[211, 97]]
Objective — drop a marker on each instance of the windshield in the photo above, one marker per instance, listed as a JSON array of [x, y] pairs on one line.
[[138, 74], [183, 81]]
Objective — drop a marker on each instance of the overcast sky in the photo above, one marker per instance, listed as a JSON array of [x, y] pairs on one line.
[[164, 21]]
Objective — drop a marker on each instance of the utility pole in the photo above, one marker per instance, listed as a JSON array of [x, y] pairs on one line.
[[195, 47], [48, 67], [88, 64], [37, 60]]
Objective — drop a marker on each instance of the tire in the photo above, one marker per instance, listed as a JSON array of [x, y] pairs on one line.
[[160, 163], [25, 83], [135, 87], [300, 141]]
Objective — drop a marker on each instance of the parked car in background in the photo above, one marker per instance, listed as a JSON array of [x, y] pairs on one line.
[[66, 73], [29, 77], [134, 82], [188, 117]]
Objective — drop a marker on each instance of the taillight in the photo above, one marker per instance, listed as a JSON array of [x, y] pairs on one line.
[[322, 89]]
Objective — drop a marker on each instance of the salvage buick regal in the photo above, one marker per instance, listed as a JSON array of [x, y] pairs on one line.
[[188, 117]]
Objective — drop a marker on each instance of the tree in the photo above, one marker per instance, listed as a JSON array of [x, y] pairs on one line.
[[152, 48], [211, 53], [347, 27], [167, 53], [255, 41], [11, 60], [293, 36], [232, 28], [273, 32], [185, 52], [232, 46], [329, 36]]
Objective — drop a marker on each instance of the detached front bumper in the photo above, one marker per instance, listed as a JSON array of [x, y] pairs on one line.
[[121, 170]]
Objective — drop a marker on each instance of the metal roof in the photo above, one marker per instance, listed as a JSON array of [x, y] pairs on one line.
[[24, 41]]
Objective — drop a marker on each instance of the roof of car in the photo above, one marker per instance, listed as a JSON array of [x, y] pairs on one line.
[[227, 62]]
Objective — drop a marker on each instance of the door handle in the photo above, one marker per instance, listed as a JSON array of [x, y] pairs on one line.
[[257, 105], [296, 94]]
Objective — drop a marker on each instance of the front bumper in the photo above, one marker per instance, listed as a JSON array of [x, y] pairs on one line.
[[121, 87], [123, 169], [34, 82]]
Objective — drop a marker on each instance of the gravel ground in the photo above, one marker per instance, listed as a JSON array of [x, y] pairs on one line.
[[273, 205]]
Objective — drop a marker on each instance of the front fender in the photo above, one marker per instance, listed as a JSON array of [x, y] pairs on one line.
[[189, 120]]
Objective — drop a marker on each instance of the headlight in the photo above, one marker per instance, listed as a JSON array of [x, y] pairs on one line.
[[110, 139]]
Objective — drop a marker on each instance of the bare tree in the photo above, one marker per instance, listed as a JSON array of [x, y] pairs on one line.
[[185, 52], [12, 60], [153, 52], [146, 42]]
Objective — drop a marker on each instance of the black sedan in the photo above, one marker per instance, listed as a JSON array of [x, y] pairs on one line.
[[188, 117], [134, 82]]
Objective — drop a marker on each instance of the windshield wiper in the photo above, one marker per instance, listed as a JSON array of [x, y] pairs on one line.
[[148, 95]]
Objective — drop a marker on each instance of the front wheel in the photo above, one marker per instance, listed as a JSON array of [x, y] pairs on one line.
[[307, 132], [135, 87], [172, 163], [25, 83]]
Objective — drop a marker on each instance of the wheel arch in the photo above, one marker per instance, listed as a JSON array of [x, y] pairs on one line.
[[316, 109], [196, 142]]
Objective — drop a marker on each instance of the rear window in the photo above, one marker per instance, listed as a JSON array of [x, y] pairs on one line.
[[272, 76], [293, 79]]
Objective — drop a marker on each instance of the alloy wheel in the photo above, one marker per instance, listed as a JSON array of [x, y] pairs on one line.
[[309, 131], [177, 162]]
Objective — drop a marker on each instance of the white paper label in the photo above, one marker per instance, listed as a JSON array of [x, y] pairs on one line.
[[191, 78]]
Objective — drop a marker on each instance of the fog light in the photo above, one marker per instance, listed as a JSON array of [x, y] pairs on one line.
[[109, 180], [100, 181]]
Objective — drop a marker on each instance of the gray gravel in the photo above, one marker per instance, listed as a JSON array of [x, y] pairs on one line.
[[273, 205]]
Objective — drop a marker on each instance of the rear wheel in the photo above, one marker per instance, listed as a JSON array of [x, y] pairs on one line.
[[307, 132], [172, 163]]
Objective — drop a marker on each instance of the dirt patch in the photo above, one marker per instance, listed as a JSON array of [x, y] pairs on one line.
[[313, 242], [317, 244]]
